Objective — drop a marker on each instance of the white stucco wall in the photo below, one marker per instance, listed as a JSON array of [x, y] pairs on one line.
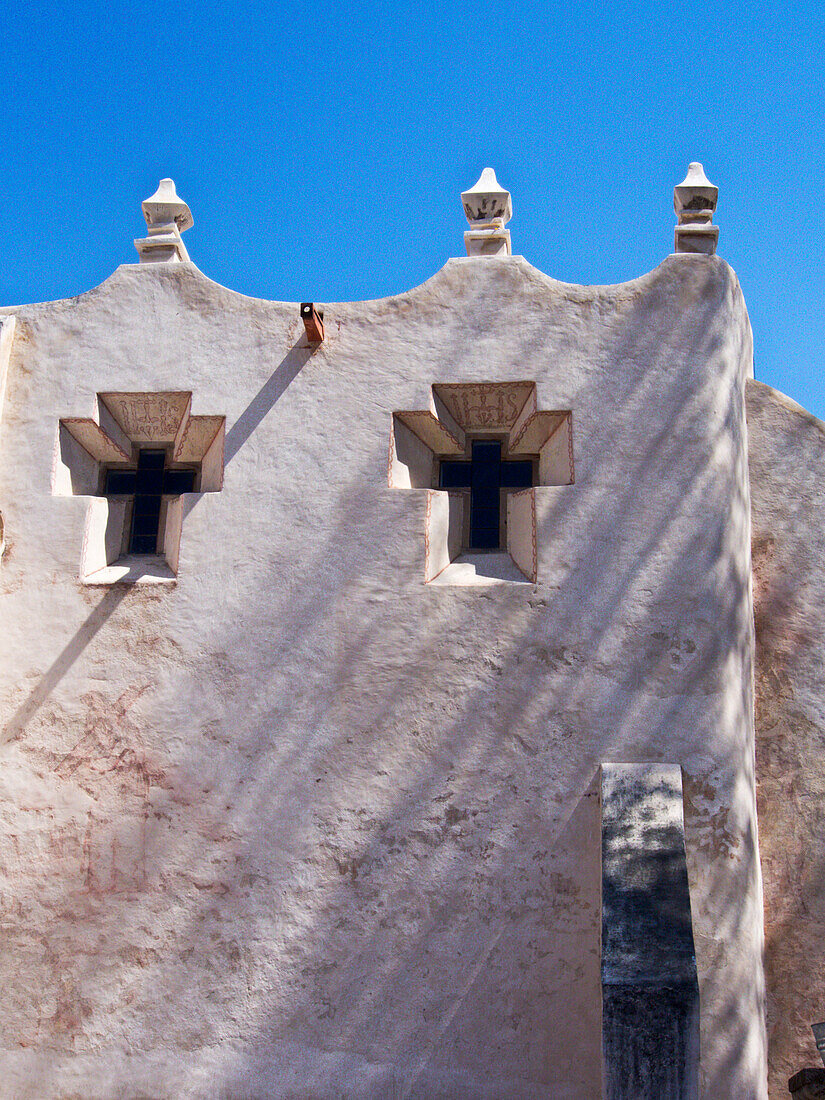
[[302, 825]]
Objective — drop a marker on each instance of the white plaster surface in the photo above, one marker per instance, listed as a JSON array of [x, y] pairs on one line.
[[301, 825], [522, 541]]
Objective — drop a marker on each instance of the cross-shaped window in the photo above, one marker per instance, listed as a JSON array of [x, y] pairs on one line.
[[487, 476], [148, 484]]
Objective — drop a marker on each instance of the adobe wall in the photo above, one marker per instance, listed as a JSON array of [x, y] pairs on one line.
[[787, 474], [302, 825]]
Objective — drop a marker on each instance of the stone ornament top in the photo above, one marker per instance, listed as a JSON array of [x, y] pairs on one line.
[[488, 208], [165, 206], [167, 216], [487, 202], [487, 205], [694, 202]]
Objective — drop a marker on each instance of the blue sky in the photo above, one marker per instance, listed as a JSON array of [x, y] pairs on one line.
[[322, 147]]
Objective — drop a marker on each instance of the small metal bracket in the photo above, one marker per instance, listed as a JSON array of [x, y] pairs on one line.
[[313, 322]]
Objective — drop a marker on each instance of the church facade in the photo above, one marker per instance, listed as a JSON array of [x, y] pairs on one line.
[[409, 698]]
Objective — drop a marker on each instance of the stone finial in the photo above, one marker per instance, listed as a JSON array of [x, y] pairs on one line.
[[167, 216], [488, 208], [694, 201]]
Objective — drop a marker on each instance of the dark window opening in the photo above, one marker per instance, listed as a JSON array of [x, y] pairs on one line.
[[486, 475], [148, 485]]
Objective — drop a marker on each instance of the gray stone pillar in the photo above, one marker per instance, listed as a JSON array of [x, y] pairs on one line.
[[650, 992]]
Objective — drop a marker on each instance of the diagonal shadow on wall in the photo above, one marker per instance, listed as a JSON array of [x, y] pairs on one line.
[[55, 673], [286, 371]]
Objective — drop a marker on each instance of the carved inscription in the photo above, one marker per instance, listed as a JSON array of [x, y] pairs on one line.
[[148, 417], [485, 404]]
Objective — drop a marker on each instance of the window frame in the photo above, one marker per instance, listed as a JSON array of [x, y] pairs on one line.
[[127, 535], [503, 438]]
